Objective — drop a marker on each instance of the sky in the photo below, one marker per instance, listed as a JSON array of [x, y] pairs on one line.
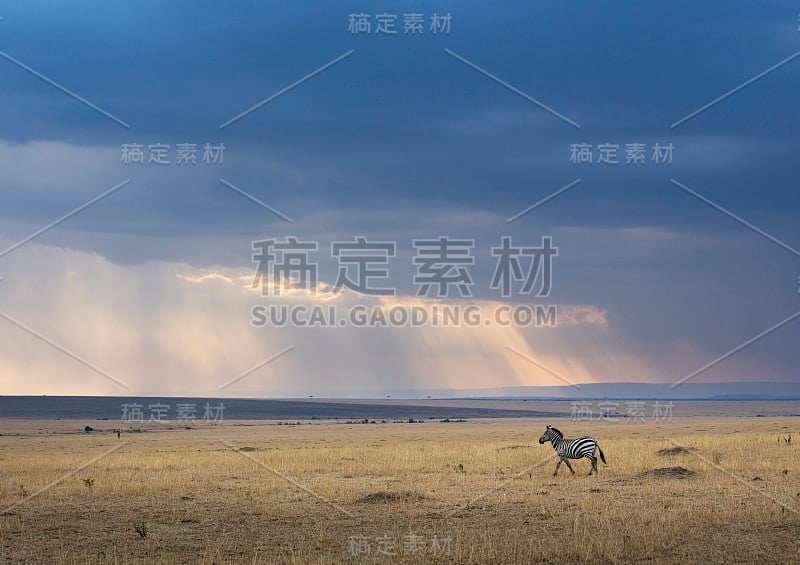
[[143, 280]]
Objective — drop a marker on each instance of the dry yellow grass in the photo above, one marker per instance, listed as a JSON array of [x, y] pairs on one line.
[[483, 489]]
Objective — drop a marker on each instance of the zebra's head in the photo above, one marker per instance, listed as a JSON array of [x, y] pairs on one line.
[[550, 434]]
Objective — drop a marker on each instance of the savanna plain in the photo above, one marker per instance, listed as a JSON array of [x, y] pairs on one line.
[[688, 490]]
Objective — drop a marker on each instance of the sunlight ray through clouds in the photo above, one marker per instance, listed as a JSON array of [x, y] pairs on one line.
[[171, 328]]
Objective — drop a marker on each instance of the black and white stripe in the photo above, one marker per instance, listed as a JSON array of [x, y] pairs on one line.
[[572, 448]]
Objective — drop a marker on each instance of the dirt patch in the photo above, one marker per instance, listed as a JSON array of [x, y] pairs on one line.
[[677, 472], [384, 496], [675, 450]]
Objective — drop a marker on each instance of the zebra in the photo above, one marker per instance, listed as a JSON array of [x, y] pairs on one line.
[[572, 449]]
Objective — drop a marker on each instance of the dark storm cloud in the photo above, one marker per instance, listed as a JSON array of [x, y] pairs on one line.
[[402, 119], [403, 139]]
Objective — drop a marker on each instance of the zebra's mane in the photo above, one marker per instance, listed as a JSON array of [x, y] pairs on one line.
[[557, 431]]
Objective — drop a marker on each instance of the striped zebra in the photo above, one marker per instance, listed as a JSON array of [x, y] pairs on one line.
[[572, 448]]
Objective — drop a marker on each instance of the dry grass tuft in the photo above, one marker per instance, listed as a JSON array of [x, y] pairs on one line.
[[384, 496], [678, 472], [677, 450]]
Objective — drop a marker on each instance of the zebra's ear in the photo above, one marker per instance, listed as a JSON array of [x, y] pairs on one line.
[[549, 427]]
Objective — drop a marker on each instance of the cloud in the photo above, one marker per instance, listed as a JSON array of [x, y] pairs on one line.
[[200, 279], [164, 327], [396, 142], [569, 315]]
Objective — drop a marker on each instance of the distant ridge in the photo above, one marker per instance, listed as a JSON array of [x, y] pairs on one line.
[[751, 390], [110, 409], [636, 391], [748, 397]]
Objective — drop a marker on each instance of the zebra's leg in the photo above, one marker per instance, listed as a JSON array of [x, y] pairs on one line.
[[570, 466], [594, 465], [557, 466]]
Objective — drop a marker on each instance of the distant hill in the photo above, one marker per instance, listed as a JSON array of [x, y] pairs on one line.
[[747, 397], [686, 391], [113, 409]]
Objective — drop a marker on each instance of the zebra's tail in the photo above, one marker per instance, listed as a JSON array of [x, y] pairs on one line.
[[602, 457]]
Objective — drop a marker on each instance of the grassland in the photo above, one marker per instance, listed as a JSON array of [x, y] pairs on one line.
[[465, 492]]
